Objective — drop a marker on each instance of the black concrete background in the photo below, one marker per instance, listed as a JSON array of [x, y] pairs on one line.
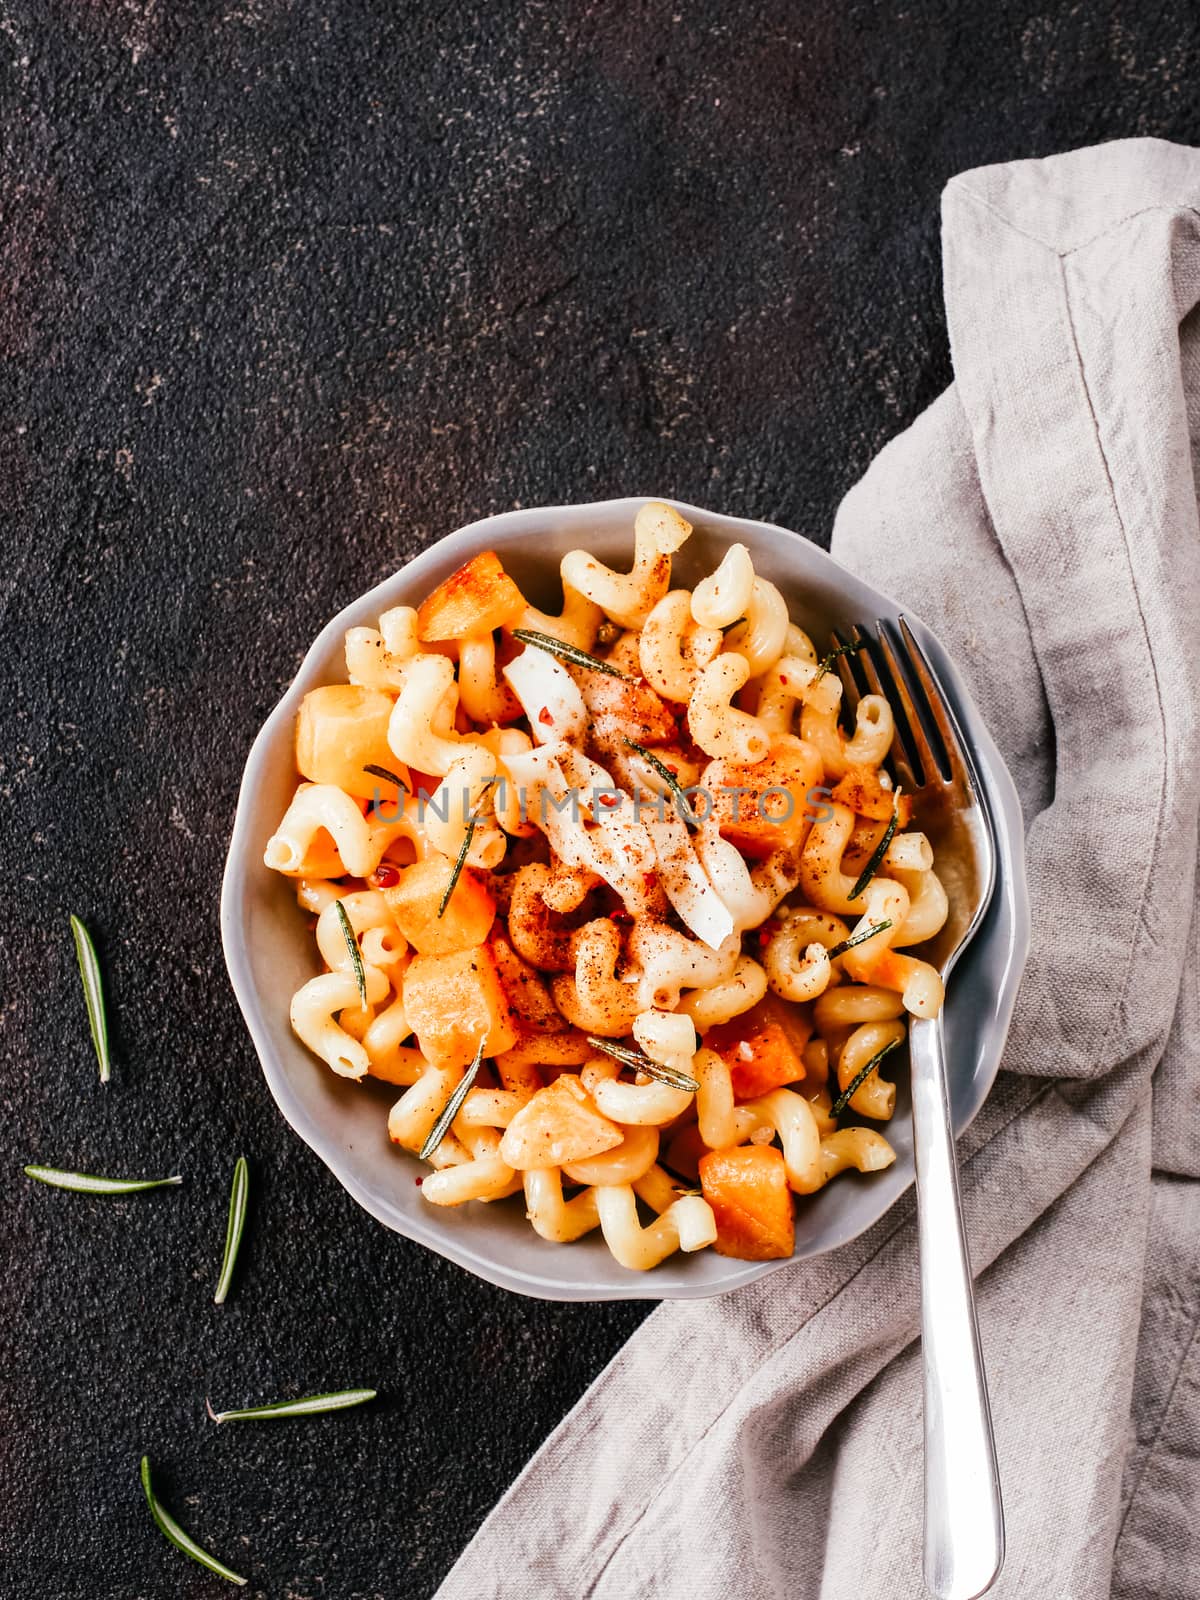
[[286, 292]]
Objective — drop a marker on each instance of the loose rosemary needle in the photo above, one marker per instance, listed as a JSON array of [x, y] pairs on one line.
[[856, 1083], [643, 1063], [569, 652], [451, 1109], [460, 860], [93, 994], [170, 1529], [89, 1183], [308, 1406], [238, 1196], [356, 960], [858, 938], [682, 804], [877, 855]]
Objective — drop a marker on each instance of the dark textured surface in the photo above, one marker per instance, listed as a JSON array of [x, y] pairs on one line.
[[286, 292]]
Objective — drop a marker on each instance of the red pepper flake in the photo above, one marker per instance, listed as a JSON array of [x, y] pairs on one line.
[[418, 1182], [610, 799], [385, 876], [545, 718], [783, 679], [649, 879]]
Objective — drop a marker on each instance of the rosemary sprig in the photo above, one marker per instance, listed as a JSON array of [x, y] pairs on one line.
[[569, 652], [859, 938], [682, 804], [643, 1063], [451, 1109], [238, 1195], [88, 1183], [460, 859], [826, 662], [877, 855], [93, 994], [310, 1405], [356, 960], [170, 1529], [852, 1088], [388, 777]]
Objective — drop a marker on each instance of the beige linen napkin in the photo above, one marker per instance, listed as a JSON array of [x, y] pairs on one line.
[[1042, 517]]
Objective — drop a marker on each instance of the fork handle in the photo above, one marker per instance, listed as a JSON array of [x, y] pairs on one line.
[[964, 1518]]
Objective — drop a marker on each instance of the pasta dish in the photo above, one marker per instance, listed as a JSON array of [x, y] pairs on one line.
[[614, 899]]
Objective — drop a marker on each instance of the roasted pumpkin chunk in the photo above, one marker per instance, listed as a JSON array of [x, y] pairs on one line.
[[340, 731], [453, 1000], [415, 900], [557, 1125], [473, 601], [772, 809], [764, 1047], [747, 1189]]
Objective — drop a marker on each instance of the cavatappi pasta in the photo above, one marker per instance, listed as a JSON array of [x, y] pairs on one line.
[[625, 867]]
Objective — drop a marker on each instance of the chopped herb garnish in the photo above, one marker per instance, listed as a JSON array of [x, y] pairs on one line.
[[858, 938], [356, 960], [877, 855], [668, 777], [451, 1109], [852, 1088], [642, 1063], [568, 652], [170, 1529], [238, 1195], [460, 859], [93, 994], [310, 1405], [826, 662], [388, 777], [88, 1183]]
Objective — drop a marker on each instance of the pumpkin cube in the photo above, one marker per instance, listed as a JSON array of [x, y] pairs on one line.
[[557, 1125], [747, 1188], [451, 1001], [764, 1047], [862, 790], [414, 903], [773, 810], [341, 729], [473, 601]]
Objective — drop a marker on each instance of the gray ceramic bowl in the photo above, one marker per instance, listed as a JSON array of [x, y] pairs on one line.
[[270, 951]]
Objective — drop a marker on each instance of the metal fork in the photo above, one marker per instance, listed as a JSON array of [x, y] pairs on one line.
[[931, 761]]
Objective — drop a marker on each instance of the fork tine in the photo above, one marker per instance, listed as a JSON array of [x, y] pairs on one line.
[[850, 689], [943, 719], [902, 755], [904, 709]]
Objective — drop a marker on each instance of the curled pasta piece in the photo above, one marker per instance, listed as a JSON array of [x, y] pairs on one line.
[[314, 894], [491, 1108], [411, 1119], [636, 1105], [576, 624], [672, 649], [482, 694], [719, 727], [789, 682], [854, 1003], [378, 658], [746, 894], [875, 962], [554, 1218], [793, 1119], [593, 998], [715, 1113], [760, 639], [665, 962], [666, 1037], [928, 907], [723, 598], [536, 932], [823, 878], [876, 1097], [314, 1009], [319, 808], [421, 728], [874, 728], [797, 976], [484, 1177], [466, 792], [625, 1163], [366, 911], [685, 882], [629, 597], [687, 1224], [860, 1148], [720, 1002]]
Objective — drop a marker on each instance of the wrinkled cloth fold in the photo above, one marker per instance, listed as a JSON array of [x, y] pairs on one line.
[[1041, 516]]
